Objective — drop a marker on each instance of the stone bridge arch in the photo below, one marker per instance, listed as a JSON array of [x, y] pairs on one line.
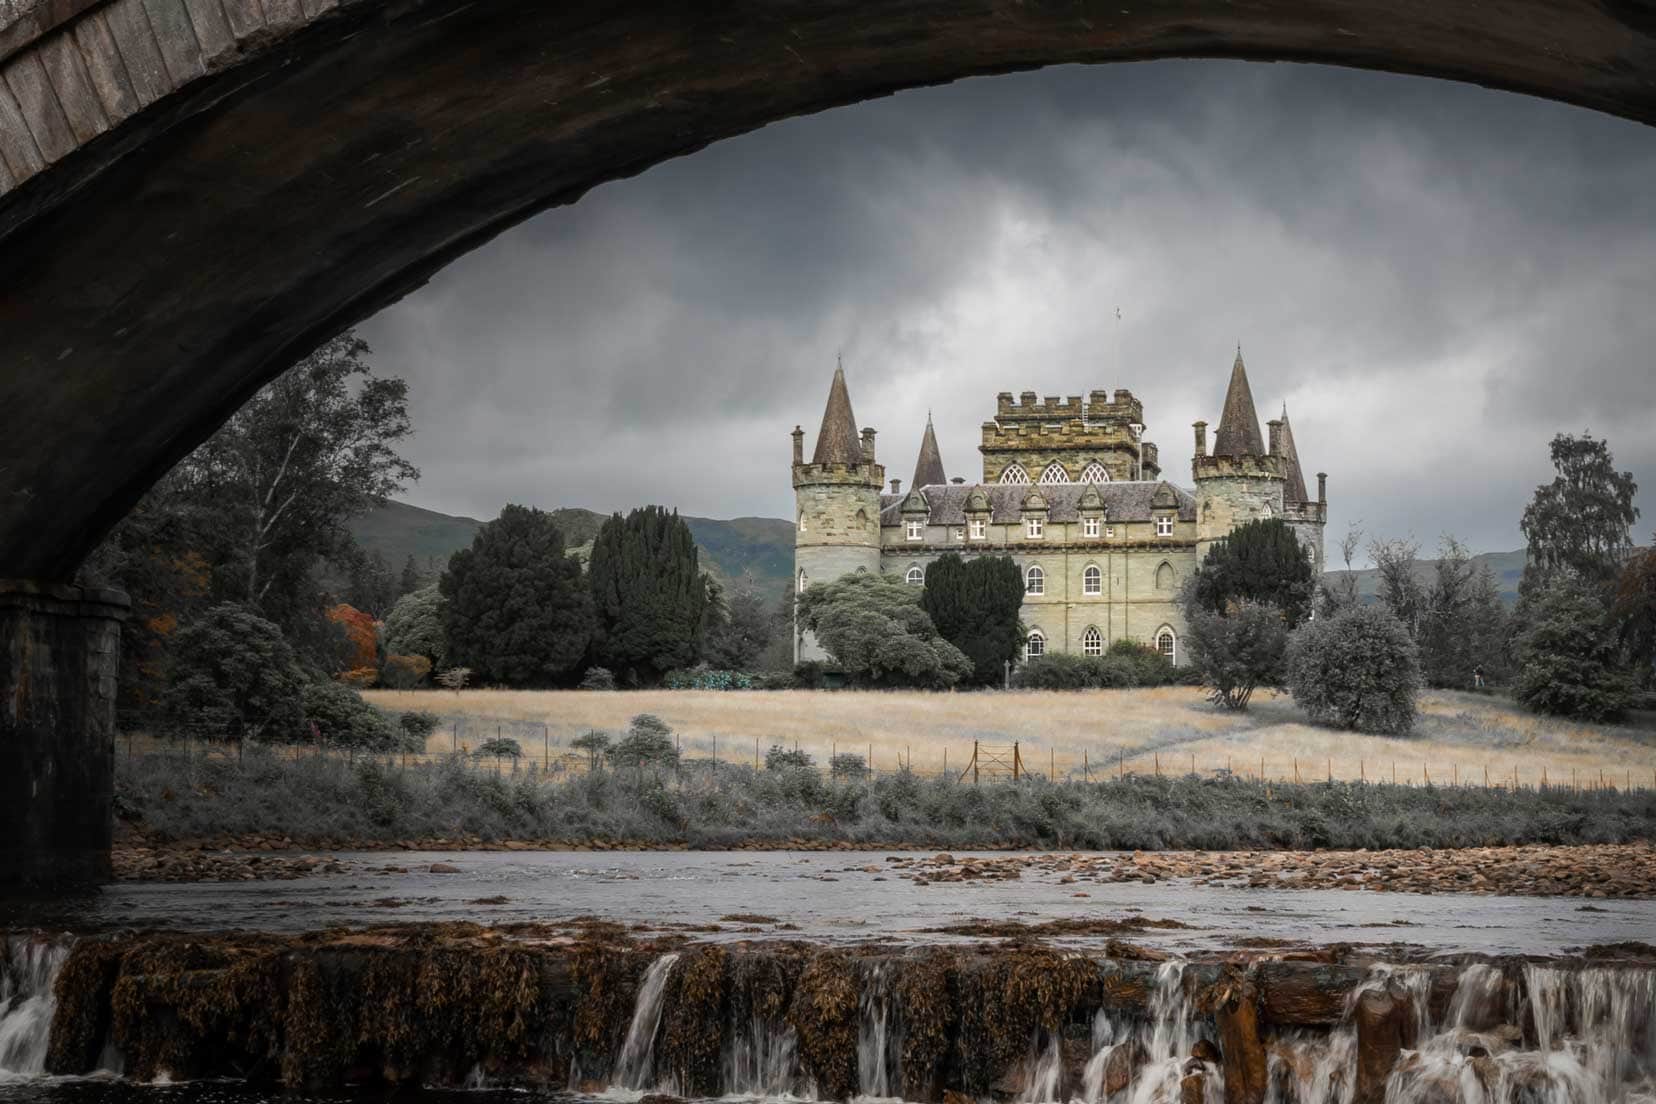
[[194, 193]]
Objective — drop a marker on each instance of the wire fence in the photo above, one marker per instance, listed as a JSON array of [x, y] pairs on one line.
[[967, 763]]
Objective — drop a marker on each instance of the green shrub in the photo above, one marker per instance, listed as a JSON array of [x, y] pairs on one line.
[[700, 678], [781, 758], [417, 726], [342, 718], [648, 742], [1237, 651], [598, 678], [1357, 669], [1569, 661], [1126, 664], [848, 765], [234, 676], [810, 675]]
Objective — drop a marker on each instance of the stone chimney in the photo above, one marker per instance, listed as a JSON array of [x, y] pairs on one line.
[[1201, 438], [799, 445], [1273, 429], [868, 446], [1322, 488], [896, 486]]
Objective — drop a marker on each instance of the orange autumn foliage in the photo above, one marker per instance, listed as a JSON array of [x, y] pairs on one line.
[[360, 631]]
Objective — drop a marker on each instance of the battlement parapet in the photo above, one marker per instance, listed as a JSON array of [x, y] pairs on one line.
[[1097, 406], [851, 475], [1313, 512], [1237, 467]]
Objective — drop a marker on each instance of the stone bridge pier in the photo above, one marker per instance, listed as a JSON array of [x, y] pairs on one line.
[[60, 651]]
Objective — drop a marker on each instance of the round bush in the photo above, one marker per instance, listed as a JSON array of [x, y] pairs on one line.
[[1357, 669], [342, 718]]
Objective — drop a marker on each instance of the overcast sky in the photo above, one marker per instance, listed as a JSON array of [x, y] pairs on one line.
[[1434, 277]]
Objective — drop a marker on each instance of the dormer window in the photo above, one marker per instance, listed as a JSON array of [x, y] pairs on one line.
[[979, 529], [1034, 528], [916, 530], [1090, 526], [1164, 527]]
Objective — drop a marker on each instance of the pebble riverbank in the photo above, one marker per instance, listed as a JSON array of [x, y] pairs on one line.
[[1604, 871]]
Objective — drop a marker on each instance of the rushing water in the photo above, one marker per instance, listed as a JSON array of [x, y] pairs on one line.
[[1548, 1034], [830, 896]]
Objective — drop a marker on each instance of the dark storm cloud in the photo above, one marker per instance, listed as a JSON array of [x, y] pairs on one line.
[[1434, 277]]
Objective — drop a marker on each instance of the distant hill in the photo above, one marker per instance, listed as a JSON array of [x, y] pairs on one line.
[[751, 552], [1507, 566]]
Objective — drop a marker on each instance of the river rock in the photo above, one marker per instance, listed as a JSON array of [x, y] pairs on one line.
[[1384, 1028], [1122, 1066], [443, 868], [1193, 1088]]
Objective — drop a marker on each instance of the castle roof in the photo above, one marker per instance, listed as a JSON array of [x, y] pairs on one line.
[[928, 469], [1293, 489], [838, 441], [1238, 424], [1122, 501]]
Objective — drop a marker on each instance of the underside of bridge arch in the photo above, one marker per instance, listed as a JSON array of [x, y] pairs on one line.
[[195, 193]]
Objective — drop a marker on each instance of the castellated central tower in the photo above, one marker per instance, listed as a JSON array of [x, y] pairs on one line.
[[837, 503], [1246, 478]]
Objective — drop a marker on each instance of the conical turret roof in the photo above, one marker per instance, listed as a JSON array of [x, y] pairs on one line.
[[1293, 490], [1238, 424], [928, 469], [838, 441]]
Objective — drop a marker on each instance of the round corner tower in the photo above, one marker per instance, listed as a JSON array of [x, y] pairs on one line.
[[1240, 481], [837, 503]]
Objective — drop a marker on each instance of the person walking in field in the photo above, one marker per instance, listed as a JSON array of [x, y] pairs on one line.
[[1478, 677]]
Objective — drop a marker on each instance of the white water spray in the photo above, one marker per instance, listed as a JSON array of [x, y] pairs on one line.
[[26, 1005], [876, 1030], [636, 1065]]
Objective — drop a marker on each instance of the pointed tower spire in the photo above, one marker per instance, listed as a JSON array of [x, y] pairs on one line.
[[928, 469], [1238, 424], [1293, 488], [838, 441]]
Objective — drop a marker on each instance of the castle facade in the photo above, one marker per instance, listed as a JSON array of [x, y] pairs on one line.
[[1072, 491]]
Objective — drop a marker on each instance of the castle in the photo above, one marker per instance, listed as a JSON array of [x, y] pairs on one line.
[[1072, 491]]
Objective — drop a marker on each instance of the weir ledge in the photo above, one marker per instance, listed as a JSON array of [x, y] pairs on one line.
[[452, 1004]]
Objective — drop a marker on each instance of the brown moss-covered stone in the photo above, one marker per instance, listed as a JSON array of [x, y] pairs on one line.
[[82, 991], [928, 1004], [692, 1038], [1242, 1050], [824, 1014], [1009, 995]]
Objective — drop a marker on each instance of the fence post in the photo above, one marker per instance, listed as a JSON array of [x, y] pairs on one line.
[[974, 762], [546, 747], [1086, 776]]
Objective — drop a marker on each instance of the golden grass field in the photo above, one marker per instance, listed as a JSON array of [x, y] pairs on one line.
[[1459, 737]]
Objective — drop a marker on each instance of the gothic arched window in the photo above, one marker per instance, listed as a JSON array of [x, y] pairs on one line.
[[1095, 473], [1014, 473], [1092, 580], [1035, 580], [916, 576], [1055, 473], [1164, 576], [1035, 645], [1092, 641]]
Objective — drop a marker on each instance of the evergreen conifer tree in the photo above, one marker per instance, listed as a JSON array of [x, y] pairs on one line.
[[648, 592], [410, 580], [975, 605], [517, 611], [1260, 561]]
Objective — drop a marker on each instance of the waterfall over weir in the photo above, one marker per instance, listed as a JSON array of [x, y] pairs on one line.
[[28, 972], [1015, 1023], [636, 1064]]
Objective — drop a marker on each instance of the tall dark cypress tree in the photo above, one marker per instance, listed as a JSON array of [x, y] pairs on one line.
[[649, 594], [975, 606], [1260, 561], [518, 611]]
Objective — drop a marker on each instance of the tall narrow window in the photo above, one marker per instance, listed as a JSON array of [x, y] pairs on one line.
[[1095, 473], [1164, 576], [1055, 473], [1035, 645], [1166, 645], [915, 576], [1092, 642], [1014, 473], [1164, 527], [1092, 581], [802, 581], [1035, 580], [1034, 528], [802, 521]]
